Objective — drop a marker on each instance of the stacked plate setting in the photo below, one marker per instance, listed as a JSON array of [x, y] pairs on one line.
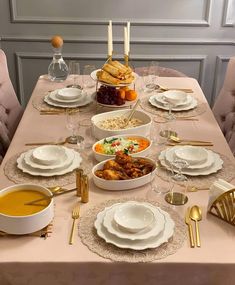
[[201, 161], [134, 225], [179, 100], [68, 98], [49, 160]]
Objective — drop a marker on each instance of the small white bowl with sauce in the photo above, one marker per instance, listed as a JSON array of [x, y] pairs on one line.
[[18, 218]]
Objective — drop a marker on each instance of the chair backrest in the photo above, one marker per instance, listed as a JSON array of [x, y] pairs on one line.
[[10, 108], [224, 107], [162, 71]]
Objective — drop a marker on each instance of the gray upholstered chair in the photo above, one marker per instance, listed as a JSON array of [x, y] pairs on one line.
[[224, 107], [10, 108]]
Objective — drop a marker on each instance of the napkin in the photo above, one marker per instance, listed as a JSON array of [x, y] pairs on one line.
[[219, 187]]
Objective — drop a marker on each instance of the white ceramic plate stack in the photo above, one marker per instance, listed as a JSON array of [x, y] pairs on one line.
[[49, 160], [180, 100], [68, 98], [201, 161], [134, 225]]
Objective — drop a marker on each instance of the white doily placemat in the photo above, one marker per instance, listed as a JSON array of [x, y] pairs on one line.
[[89, 237], [39, 104], [14, 174], [200, 109]]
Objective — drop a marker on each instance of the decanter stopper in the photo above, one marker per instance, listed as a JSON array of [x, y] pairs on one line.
[[58, 69]]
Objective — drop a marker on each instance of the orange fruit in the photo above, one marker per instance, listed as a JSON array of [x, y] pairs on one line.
[[121, 93], [131, 95], [57, 41]]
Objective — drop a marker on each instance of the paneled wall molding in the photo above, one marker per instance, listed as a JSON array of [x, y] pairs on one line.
[[198, 41], [15, 18], [228, 17], [218, 66]]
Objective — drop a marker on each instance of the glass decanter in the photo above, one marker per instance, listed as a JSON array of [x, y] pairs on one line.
[[58, 69]]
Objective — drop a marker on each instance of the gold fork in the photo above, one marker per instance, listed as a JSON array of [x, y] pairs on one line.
[[75, 216]]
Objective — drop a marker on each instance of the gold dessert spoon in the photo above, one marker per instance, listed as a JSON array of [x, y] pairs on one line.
[[196, 215]]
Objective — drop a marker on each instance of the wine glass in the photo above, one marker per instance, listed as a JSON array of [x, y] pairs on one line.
[[170, 116], [72, 124], [152, 73], [179, 164], [88, 82], [74, 72]]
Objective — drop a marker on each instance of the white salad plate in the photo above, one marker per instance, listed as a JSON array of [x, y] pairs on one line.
[[48, 172], [153, 101], [152, 242], [153, 230], [87, 99], [94, 77], [69, 154], [68, 93], [216, 165], [170, 157], [192, 154], [53, 95], [161, 99]]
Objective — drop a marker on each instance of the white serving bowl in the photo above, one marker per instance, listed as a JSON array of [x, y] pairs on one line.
[[143, 130], [49, 154], [19, 225], [192, 154], [133, 217], [114, 185], [174, 97], [69, 93], [101, 156]]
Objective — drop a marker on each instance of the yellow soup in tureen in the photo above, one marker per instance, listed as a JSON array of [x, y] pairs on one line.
[[13, 203]]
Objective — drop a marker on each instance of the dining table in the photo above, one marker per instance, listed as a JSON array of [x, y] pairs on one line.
[[29, 259]]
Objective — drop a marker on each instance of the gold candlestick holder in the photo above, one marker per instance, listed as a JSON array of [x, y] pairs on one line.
[[126, 59], [109, 58], [224, 207]]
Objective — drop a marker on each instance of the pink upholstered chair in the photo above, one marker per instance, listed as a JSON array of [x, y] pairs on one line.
[[10, 108], [162, 71], [224, 107]]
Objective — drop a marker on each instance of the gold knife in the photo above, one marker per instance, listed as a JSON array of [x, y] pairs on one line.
[[190, 143], [190, 229]]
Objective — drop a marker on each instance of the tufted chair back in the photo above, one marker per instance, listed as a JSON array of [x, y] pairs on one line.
[[10, 108], [162, 71], [224, 107]]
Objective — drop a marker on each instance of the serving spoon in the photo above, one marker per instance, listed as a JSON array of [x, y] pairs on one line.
[[132, 112], [196, 215]]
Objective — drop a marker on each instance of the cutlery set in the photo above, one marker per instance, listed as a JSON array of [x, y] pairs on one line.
[[193, 214]]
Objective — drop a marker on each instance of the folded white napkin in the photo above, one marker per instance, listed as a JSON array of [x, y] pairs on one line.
[[219, 187]]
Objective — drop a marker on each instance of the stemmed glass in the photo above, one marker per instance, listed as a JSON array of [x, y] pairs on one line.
[[179, 164], [72, 124], [74, 71], [170, 116], [88, 82], [152, 73]]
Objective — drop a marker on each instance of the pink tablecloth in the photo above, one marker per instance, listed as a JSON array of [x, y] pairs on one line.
[[31, 260]]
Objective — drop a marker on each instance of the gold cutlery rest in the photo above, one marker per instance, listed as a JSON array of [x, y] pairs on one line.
[[224, 207]]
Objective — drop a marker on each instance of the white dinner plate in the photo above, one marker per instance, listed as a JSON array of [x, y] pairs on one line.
[[87, 99], [152, 242], [160, 99], [153, 230], [53, 95], [48, 172], [217, 165], [159, 105], [170, 156], [28, 159], [94, 77]]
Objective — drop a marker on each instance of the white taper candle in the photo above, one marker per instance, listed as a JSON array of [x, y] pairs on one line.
[[125, 41], [128, 37]]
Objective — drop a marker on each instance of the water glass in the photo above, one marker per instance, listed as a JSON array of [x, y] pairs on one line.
[[74, 72], [88, 82], [72, 124]]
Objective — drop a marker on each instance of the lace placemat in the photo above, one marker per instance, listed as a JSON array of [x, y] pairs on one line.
[[16, 175], [200, 109], [39, 104], [89, 237], [203, 182]]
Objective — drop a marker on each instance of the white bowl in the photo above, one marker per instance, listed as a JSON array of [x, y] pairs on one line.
[[101, 156], [49, 154], [19, 225], [69, 93], [133, 217], [174, 97], [114, 185], [143, 130], [192, 154]]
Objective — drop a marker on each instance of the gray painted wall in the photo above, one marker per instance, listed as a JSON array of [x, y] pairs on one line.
[[196, 37]]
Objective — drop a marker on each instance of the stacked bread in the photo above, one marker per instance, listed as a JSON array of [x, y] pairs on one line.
[[115, 73]]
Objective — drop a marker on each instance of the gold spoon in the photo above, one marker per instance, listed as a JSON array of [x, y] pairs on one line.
[[179, 140], [196, 215], [163, 89]]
